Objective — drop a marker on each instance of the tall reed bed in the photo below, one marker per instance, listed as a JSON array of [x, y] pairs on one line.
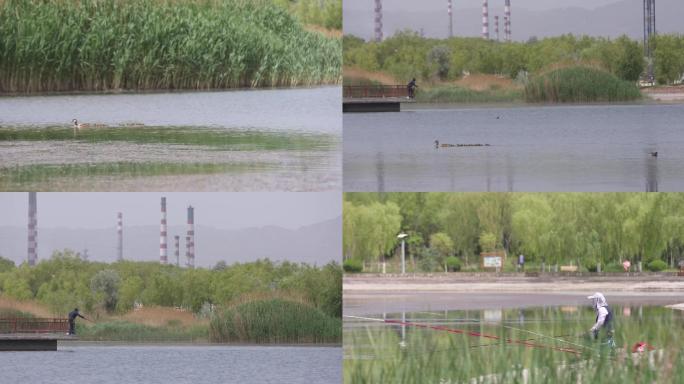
[[580, 85], [158, 44], [377, 354], [274, 321]]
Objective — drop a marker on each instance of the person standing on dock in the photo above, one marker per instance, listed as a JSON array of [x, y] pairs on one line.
[[412, 88], [604, 317], [72, 320]]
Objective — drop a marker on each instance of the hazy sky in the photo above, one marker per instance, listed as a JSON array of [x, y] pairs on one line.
[[533, 5], [539, 18], [220, 210]]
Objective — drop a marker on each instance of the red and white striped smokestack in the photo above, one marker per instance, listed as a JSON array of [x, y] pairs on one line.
[[378, 20], [176, 241], [163, 255], [451, 19], [32, 229], [485, 20], [496, 27], [119, 233], [507, 21], [191, 237]]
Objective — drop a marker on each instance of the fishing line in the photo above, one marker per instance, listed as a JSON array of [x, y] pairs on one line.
[[549, 337]]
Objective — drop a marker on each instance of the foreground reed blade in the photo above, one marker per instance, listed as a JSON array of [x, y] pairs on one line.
[[522, 346], [158, 44]]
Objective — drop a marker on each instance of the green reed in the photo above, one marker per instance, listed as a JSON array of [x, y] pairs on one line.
[[580, 85], [68, 45], [429, 356], [274, 321], [19, 177]]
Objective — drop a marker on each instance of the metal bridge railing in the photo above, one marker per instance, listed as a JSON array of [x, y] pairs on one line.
[[374, 91], [33, 325]]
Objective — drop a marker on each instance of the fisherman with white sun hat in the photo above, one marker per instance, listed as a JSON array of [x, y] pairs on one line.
[[604, 317]]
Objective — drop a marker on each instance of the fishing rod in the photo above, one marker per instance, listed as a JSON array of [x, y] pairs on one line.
[[468, 333], [556, 338]]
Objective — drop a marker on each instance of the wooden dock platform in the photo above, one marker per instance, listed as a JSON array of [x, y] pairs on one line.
[[33, 334], [32, 341], [374, 98]]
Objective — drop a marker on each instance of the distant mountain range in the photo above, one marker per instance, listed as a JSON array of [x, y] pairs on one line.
[[612, 20], [317, 244]]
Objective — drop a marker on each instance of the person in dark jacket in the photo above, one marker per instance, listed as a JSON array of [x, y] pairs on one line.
[[72, 320], [412, 88], [604, 318]]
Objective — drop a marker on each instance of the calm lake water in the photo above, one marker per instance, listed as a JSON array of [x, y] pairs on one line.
[[540, 148], [308, 110], [174, 364], [272, 158]]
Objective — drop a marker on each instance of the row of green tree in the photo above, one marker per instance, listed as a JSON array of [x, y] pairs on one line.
[[65, 281], [406, 55], [326, 13], [584, 229]]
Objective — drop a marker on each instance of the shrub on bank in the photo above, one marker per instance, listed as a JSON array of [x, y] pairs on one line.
[[453, 263], [591, 265], [352, 266], [579, 85], [657, 265]]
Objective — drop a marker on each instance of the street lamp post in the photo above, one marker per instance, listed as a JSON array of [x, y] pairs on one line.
[[403, 236]]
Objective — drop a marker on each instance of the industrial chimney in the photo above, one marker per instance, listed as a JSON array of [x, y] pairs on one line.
[[451, 19], [485, 20], [507, 21], [119, 232], [176, 241], [378, 20], [191, 237], [163, 255], [32, 229], [496, 27], [649, 34]]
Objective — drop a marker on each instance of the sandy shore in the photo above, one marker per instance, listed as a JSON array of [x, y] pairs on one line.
[[665, 94], [364, 295]]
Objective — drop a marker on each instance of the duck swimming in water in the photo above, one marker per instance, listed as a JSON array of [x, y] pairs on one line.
[[438, 145], [654, 154]]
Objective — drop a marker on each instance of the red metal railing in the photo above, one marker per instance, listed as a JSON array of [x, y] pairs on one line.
[[32, 325], [374, 91]]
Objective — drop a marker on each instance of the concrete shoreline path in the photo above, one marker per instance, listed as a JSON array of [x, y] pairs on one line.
[[365, 295]]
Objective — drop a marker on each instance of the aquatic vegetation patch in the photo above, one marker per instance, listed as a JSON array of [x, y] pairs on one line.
[[456, 94], [102, 45], [223, 139], [14, 178], [274, 321], [580, 85], [134, 332]]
